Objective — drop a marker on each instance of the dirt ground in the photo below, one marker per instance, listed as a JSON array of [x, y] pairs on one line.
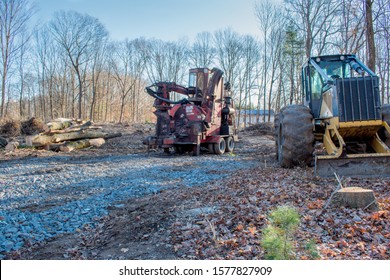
[[141, 228], [220, 220]]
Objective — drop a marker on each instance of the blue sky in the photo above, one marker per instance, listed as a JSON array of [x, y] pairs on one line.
[[162, 19]]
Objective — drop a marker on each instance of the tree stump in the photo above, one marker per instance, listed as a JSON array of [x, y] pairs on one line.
[[355, 197]]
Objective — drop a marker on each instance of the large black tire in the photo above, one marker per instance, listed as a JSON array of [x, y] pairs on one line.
[[295, 137], [219, 148], [230, 144], [211, 148], [181, 149], [386, 118]]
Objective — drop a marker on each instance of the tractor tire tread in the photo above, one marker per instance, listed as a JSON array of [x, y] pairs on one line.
[[297, 130]]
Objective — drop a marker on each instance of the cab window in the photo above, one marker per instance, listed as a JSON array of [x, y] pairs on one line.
[[316, 83], [192, 80]]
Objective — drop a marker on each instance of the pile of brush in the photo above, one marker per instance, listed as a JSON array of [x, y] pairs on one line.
[[11, 130]]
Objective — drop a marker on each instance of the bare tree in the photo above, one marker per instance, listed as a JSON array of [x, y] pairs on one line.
[[78, 35], [275, 52], [47, 63], [382, 40], [14, 17], [202, 52], [249, 71], [315, 19], [97, 66], [271, 24], [177, 54], [228, 46], [22, 72], [127, 65], [265, 12], [352, 27], [293, 54], [370, 35], [165, 61]]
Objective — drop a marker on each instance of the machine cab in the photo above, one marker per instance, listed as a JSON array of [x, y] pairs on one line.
[[324, 78], [198, 82]]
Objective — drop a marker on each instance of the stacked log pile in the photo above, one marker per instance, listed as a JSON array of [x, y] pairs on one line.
[[67, 135]]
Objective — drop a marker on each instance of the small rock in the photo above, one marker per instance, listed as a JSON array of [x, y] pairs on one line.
[[356, 218], [124, 250], [253, 199]]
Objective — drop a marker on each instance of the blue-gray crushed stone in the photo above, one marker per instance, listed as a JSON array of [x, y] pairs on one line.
[[43, 197]]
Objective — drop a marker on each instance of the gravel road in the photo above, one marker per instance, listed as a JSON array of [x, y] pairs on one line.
[[44, 197]]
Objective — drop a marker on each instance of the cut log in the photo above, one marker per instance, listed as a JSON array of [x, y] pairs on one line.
[[73, 128], [97, 142], [43, 139], [53, 147], [38, 140], [77, 135], [58, 125], [112, 135], [63, 120], [81, 144], [73, 145], [355, 197]]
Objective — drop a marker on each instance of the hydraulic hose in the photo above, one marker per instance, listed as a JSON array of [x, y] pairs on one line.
[[155, 95]]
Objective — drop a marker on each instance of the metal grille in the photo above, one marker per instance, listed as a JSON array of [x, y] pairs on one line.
[[358, 99]]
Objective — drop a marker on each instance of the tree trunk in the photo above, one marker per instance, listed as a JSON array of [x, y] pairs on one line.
[[80, 103], [59, 125], [81, 144], [370, 36], [77, 135], [38, 140], [3, 86]]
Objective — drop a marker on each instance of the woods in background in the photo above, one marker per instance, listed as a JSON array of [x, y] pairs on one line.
[[69, 67]]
